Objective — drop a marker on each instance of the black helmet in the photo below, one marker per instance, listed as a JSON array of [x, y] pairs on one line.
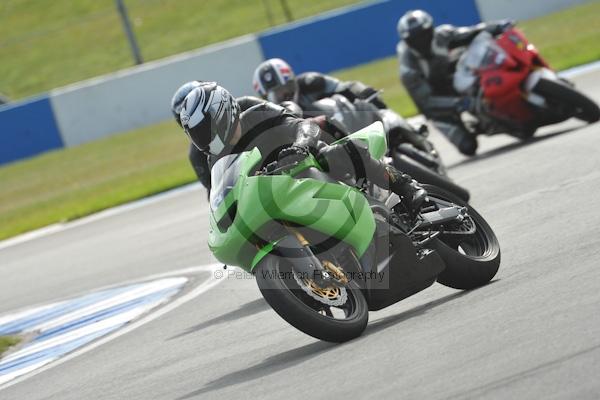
[[179, 97], [275, 81], [210, 116], [416, 29]]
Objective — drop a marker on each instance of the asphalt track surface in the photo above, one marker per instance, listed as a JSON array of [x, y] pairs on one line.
[[532, 333]]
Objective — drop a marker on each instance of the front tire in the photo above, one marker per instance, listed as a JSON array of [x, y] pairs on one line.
[[471, 260], [557, 92], [284, 295]]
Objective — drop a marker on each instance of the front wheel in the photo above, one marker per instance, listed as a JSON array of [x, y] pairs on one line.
[[332, 314], [581, 106], [472, 253]]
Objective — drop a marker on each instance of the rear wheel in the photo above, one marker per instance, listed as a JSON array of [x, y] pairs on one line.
[[333, 314], [559, 93], [472, 256]]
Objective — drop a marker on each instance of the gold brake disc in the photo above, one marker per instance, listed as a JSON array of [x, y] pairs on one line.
[[331, 295]]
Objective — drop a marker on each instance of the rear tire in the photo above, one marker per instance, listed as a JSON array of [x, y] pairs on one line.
[[558, 92], [478, 262], [289, 301]]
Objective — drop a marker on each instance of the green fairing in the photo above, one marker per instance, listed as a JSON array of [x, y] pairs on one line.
[[336, 210], [374, 136], [263, 252]]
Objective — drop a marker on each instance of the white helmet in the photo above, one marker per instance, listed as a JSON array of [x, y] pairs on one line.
[[275, 81]]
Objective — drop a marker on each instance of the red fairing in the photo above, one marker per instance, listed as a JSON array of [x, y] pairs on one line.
[[502, 86]]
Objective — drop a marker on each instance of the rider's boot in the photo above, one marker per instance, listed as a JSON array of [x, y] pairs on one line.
[[352, 158], [411, 193], [457, 134]]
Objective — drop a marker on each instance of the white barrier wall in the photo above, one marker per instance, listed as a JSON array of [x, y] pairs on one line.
[[141, 95], [521, 9]]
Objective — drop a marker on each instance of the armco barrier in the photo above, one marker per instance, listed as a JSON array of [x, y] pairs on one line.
[[355, 35], [27, 128], [140, 96], [520, 9]]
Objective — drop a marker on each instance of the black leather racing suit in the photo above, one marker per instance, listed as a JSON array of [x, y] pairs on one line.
[[271, 128], [199, 162], [313, 86], [428, 79]]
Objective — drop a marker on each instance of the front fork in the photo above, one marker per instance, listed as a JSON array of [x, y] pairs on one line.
[[294, 247]]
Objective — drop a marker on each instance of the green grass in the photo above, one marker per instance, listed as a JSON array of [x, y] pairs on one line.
[[383, 74], [50, 43], [71, 183], [6, 342], [66, 184]]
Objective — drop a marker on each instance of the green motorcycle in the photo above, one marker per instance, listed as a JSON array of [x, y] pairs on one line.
[[325, 252]]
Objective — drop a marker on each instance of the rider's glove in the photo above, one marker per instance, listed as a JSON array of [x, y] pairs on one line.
[[293, 154], [504, 25], [367, 92], [292, 108]]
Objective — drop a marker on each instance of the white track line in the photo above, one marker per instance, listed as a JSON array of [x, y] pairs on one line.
[[112, 301], [580, 70], [23, 372], [202, 288], [29, 311], [147, 297], [115, 320]]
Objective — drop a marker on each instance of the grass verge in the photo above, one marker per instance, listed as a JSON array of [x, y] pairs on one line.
[[70, 183], [6, 342]]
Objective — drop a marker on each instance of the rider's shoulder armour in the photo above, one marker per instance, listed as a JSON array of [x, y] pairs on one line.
[[311, 82]]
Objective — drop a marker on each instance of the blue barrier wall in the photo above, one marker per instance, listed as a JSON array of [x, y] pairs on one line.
[[355, 35], [26, 129]]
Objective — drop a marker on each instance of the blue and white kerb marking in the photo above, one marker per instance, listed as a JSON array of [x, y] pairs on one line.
[[63, 327]]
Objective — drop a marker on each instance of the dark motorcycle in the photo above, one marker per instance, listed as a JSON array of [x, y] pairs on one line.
[[409, 149]]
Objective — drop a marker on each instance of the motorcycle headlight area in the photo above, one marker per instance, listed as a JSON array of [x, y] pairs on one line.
[[224, 175], [216, 200]]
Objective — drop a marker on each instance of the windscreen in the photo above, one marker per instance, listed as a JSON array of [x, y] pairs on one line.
[[224, 175], [482, 54]]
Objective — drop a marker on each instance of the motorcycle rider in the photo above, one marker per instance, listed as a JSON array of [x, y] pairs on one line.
[[274, 80], [198, 159], [216, 125], [428, 58]]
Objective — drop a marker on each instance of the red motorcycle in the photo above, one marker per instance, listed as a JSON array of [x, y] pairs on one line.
[[517, 91]]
